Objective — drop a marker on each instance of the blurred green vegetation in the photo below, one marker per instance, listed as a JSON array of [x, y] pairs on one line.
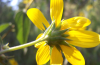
[[13, 33]]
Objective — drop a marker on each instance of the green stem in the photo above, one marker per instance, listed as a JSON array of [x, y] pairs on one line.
[[22, 46], [43, 38], [49, 29]]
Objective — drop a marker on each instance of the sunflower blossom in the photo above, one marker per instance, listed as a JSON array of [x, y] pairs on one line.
[[62, 36]]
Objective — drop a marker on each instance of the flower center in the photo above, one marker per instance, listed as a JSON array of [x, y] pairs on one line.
[[57, 37]]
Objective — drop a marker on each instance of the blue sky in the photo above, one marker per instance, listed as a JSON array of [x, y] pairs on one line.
[[13, 3]]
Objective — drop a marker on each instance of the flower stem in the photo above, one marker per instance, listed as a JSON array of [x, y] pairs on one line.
[[43, 38], [28, 5], [22, 46], [49, 29]]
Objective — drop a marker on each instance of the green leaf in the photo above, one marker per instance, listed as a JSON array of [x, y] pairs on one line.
[[22, 27], [4, 26]]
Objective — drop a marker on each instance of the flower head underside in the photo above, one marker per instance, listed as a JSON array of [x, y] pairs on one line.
[[61, 36]]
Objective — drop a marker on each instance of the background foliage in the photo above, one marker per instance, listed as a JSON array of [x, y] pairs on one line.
[[16, 28]]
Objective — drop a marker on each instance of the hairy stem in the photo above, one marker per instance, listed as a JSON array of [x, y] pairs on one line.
[[43, 38], [22, 46]]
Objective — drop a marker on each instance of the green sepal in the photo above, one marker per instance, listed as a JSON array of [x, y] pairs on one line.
[[49, 29], [72, 45], [57, 38], [53, 28], [62, 31], [65, 43], [64, 35], [59, 26], [44, 27], [63, 38], [58, 48], [59, 32]]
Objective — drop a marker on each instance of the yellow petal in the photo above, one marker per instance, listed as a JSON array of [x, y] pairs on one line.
[[73, 55], [38, 45], [37, 18], [56, 10], [76, 23], [13, 61], [43, 55], [56, 57], [84, 38]]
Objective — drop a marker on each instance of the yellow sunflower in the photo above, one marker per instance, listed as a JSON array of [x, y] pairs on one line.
[[62, 36]]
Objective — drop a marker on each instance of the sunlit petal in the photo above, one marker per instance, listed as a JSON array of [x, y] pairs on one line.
[[43, 55], [73, 55], [38, 45], [39, 36], [37, 18], [56, 10], [56, 57], [76, 23], [84, 38]]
